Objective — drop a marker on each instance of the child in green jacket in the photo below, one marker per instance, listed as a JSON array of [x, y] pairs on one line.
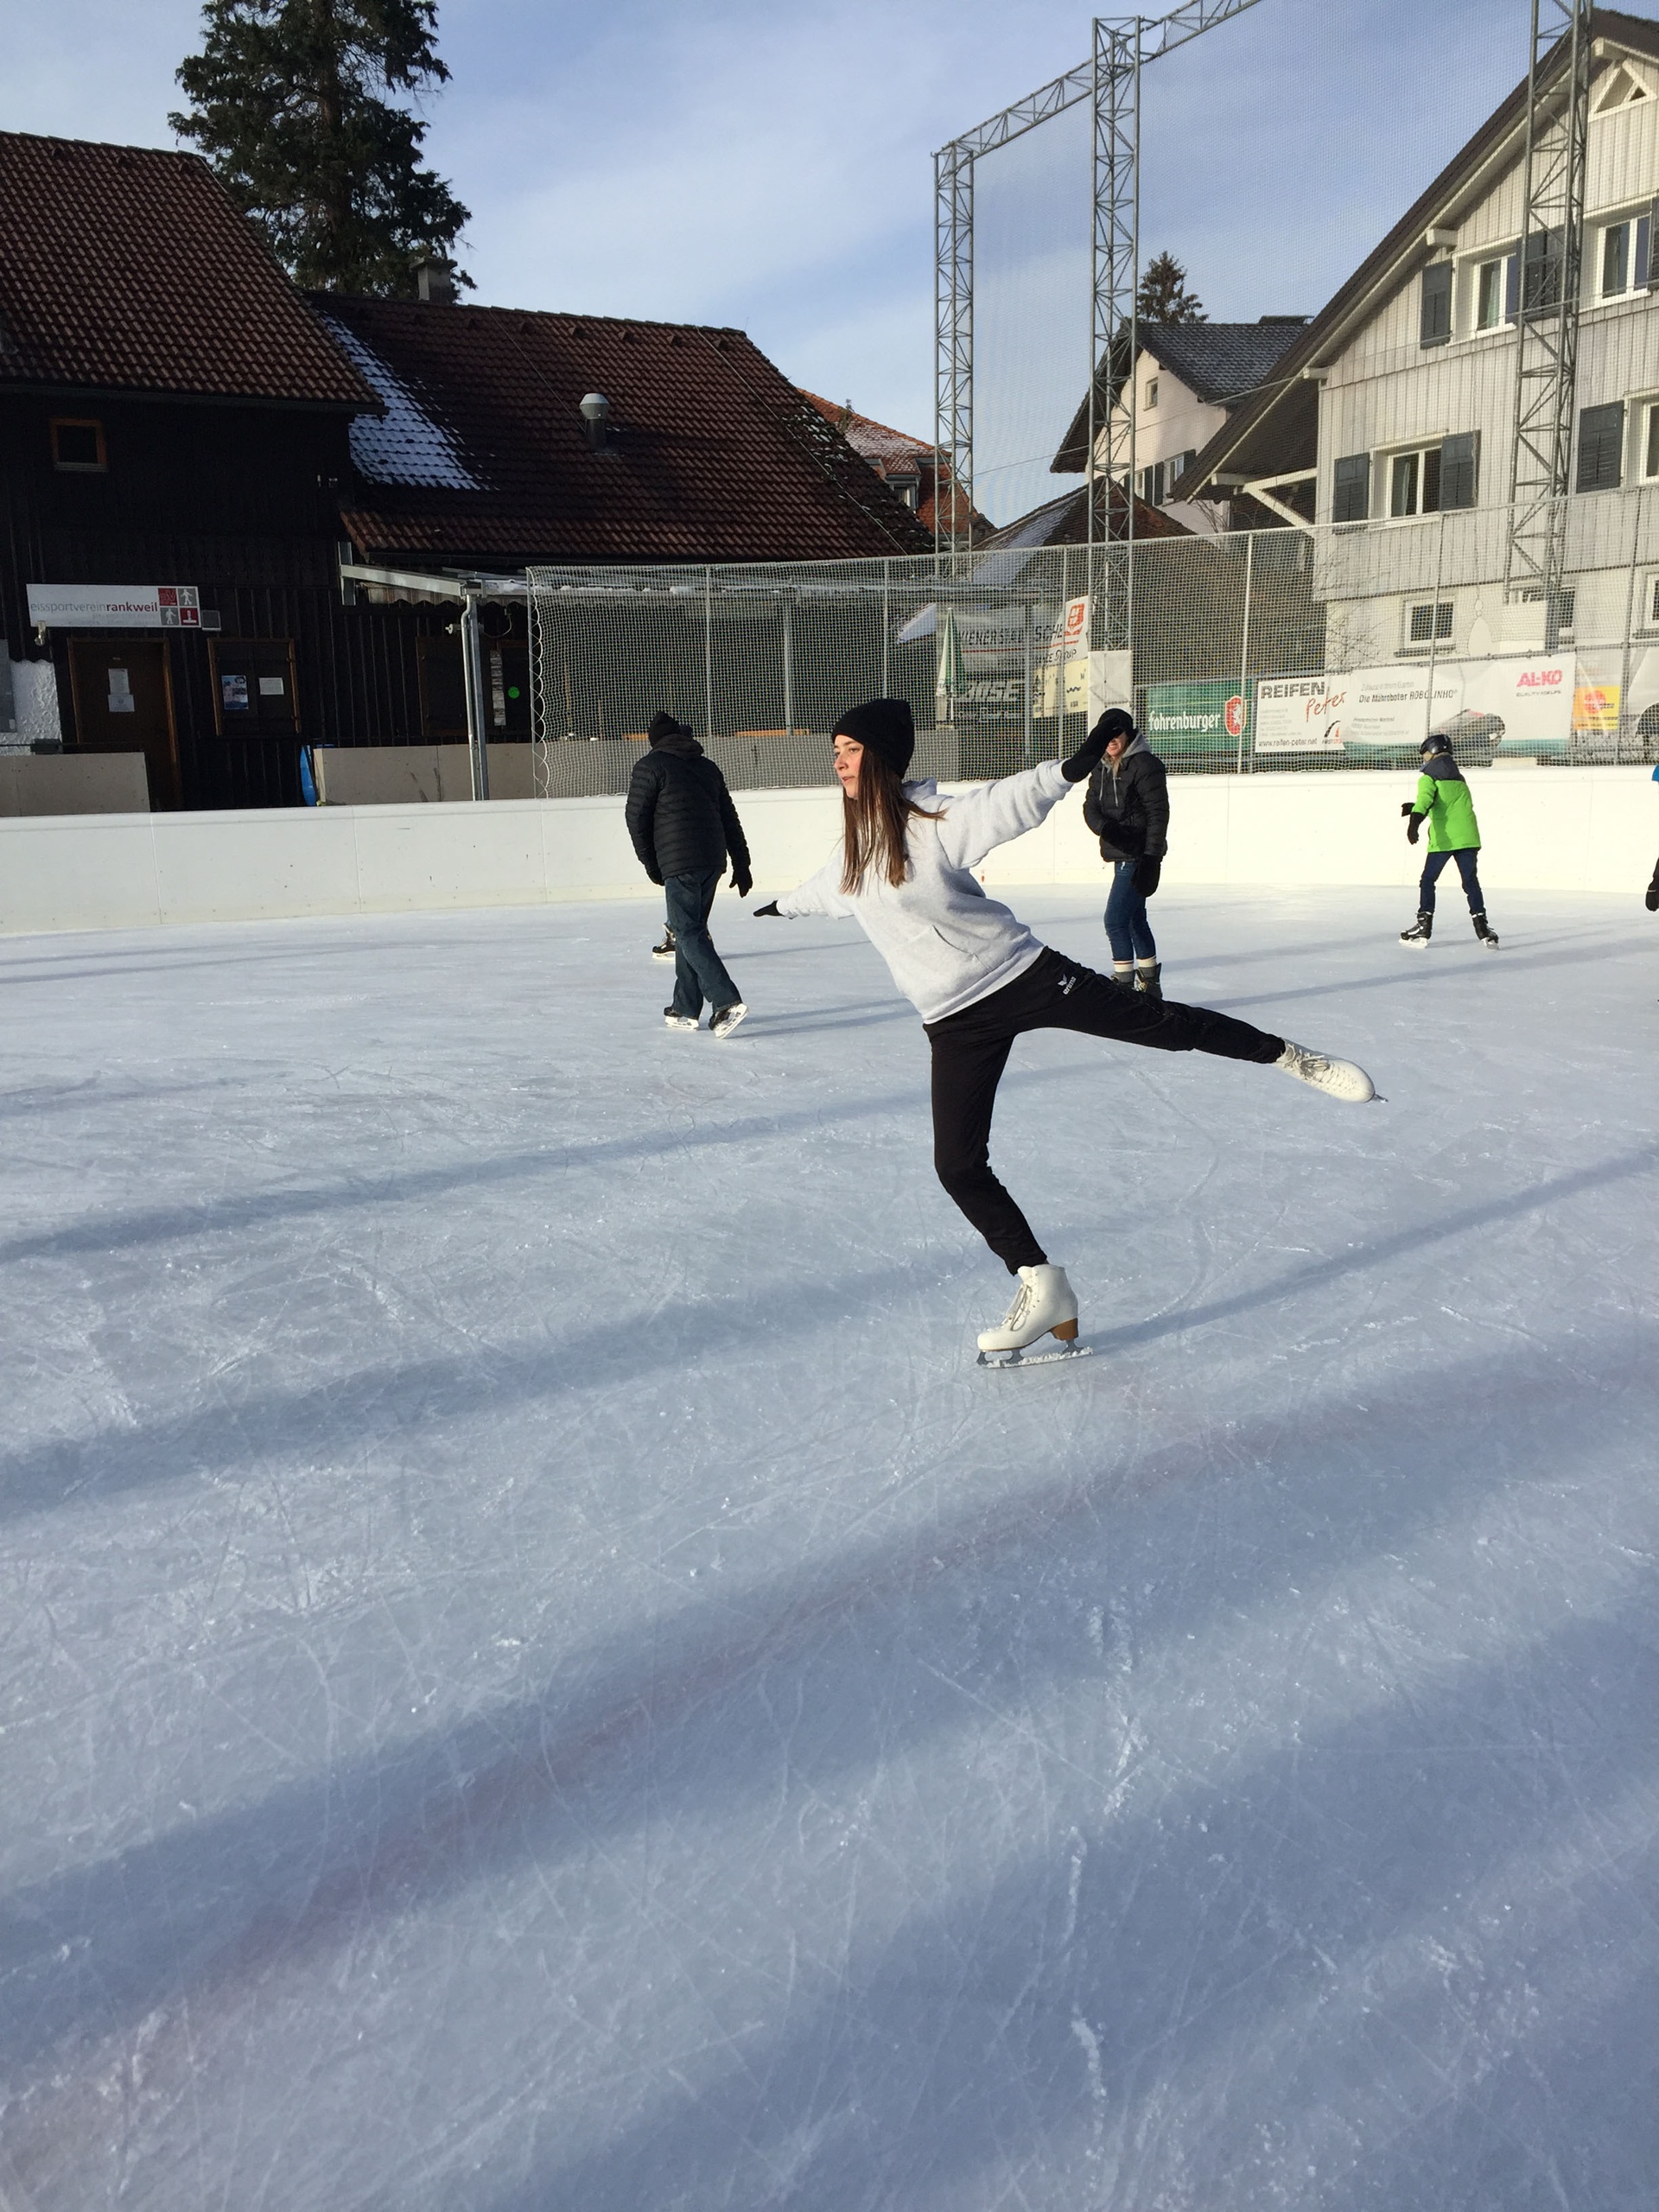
[[1444, 802]]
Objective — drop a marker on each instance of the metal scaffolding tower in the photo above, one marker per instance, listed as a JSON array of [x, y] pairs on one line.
[[1547, 318], [1110, 78]]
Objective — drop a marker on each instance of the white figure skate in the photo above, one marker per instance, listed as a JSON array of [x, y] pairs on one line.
[[1339, 1079], [1044, 1304]]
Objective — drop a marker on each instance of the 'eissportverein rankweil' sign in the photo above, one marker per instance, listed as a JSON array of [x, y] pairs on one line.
[[115, 606]]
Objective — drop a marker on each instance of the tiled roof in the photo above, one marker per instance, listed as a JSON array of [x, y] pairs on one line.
[[1064, 521], [715, 456], [1220, 361], [883, 447], [124, 269]]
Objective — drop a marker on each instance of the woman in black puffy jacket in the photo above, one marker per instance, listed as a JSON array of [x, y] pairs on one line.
[[1127, 808]]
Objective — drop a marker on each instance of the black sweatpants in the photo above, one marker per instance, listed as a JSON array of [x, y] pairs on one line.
[[971, 1050]]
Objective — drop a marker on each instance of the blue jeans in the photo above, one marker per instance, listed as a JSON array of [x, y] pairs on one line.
[[697, 967], [1465, 859], [1126, 917]]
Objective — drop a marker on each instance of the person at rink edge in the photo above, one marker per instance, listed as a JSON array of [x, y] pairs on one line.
[[1651, 900], [979, 978], [1127, 806], [683, 826], [1444, 802]]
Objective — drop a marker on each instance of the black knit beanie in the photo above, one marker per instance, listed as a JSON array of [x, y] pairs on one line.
[[664, 725], [884, 727]]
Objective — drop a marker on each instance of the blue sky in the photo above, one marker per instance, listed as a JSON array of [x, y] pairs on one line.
[[753, 162]]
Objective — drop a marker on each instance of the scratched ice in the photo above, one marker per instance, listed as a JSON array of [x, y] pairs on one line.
[[534, 1673]]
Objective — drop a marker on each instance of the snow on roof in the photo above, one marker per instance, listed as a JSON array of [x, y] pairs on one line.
[[404, 445]]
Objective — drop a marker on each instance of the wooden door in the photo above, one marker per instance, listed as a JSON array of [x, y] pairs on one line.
[[123, 693]]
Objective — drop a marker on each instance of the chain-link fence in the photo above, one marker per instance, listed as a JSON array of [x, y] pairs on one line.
[[1340, 647]]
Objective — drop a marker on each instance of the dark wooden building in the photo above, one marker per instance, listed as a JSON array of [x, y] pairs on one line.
[[187, 444]]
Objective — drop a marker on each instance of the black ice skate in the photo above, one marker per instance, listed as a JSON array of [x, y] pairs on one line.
[[1486, 932], [725, 1019], [673, 1020], [665, 950], [1419, 932], [1147, 973]]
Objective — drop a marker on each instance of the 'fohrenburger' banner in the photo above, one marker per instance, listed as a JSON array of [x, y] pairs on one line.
[[1512, 700]]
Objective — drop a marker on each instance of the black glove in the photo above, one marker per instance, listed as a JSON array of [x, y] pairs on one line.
[[771, 907], [1147, 873], [1651, 902], [742, 881], [1413, 827], [1407, 806], [1090, 755]]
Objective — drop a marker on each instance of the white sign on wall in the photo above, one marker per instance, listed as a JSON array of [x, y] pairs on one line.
[[115, 606], [1532, 699]]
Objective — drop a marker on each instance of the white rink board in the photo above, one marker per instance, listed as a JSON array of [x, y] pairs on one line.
[[537, 1673], [1545, 828]]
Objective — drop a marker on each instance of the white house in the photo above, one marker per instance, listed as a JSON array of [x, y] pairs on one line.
[[1394, 406]]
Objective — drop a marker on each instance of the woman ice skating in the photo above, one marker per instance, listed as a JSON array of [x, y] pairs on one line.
[[1443, 800], [680, 818], [1127, 806], [979, 978]]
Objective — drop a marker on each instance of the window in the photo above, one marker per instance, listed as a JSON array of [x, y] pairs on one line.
[[1152, 392], [1415, 482], [1621, 87], [1352, 489], [1541, 270], [1601, 439], [1647, 451], [1428, 623], [1647, 606], [1460, 470], [1622, 268], [1437, 303], [78, 446], [1498, 285]]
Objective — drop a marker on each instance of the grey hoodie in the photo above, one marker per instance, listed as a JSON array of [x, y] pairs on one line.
[[947, 945]]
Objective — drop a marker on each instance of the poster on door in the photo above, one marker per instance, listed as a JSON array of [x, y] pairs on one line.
[[1524, 704]]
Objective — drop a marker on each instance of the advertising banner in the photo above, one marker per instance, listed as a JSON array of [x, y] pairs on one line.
[[1510, 702], [115, 606], [1063, 678], [1197, 717]]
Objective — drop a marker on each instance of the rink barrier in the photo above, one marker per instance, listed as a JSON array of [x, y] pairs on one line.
[[1545, 828]]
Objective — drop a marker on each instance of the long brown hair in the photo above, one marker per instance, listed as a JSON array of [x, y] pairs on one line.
[[874, 825]]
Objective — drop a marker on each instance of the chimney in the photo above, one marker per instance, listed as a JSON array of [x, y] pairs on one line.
[[435, 280], [597, 416]]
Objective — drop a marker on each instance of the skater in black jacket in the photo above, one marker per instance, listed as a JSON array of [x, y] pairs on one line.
[[683, 826], [1127, 806]]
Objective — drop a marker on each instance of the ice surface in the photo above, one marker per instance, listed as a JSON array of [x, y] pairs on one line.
[[536, 1673]]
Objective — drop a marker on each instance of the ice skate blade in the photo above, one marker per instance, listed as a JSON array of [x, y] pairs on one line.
[[1018, 1358]]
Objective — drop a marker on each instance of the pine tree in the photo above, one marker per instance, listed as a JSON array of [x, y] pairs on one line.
[[1163, 296], [287, 104]]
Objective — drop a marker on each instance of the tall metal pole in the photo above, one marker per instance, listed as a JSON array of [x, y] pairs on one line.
[[708, 654], [1031, 672], [789, 663], [472, 670], [1114, 275], [953, 346], [1546, 313], [1434, 626], [1244, 648], [1630, 623]]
